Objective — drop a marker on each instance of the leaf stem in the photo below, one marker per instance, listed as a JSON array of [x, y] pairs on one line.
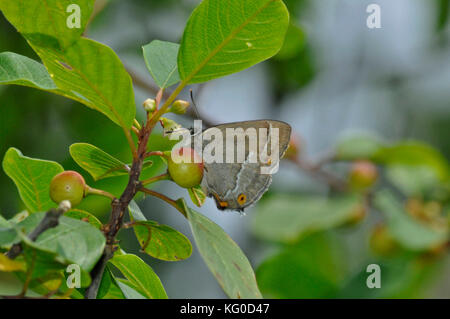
[[162, 177], [164, 198], [93, 191], [156, 153]]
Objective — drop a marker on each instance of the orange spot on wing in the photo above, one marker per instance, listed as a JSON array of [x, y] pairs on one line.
[[221, 203]]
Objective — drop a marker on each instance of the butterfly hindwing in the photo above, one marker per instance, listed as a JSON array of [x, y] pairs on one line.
[[238, 185]]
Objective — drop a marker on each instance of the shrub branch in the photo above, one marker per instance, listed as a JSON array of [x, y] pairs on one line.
[[120, 205]]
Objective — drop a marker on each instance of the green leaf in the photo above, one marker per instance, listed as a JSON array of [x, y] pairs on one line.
[[286, 218], [97, 162], [45, 23], [32, 178], [407, 231], [361, 146], [8, 234], [84, 216], [41, 262], [197, 195], [3, 222], [73, 240], [162, 242], [161, 60], [223, 257], [82, 69], [92, 74], [159, 241], [11, 285], [140, 275], [224, 37], [46, 284], [311, 268], [20, 70], [109, 288], [135, 212], [128, 291]]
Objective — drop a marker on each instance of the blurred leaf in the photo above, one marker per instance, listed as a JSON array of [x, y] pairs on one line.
[[161, 60], [197, 195], [8, 265], [97, 162], [361, 146], [84, 216], [159, 241], [402, 277], [287, 218], [413, 181], [219, 40], [46, 284], [293, 43], [32, 178], [223, 257], [11, 285], [290, 75], [8, 234], [141, 276], [46, 20], [4, 223], [41, 262], [311, 268], [443, 13], [409, 232], [414, 154], [20, 70]]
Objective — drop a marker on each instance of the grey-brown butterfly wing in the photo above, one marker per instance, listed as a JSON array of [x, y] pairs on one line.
[[236, 186]]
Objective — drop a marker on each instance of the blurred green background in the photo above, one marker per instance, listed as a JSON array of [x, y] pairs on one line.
[[334, 77]]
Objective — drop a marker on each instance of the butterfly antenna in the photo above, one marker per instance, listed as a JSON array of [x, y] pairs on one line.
[[194, 105]]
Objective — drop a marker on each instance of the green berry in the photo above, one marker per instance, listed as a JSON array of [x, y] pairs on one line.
[[187, 172], [68, 185]]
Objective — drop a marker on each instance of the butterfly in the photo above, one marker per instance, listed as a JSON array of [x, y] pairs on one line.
[[239, 184]]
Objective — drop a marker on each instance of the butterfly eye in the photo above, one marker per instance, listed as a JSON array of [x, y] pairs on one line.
[[242, 199]]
